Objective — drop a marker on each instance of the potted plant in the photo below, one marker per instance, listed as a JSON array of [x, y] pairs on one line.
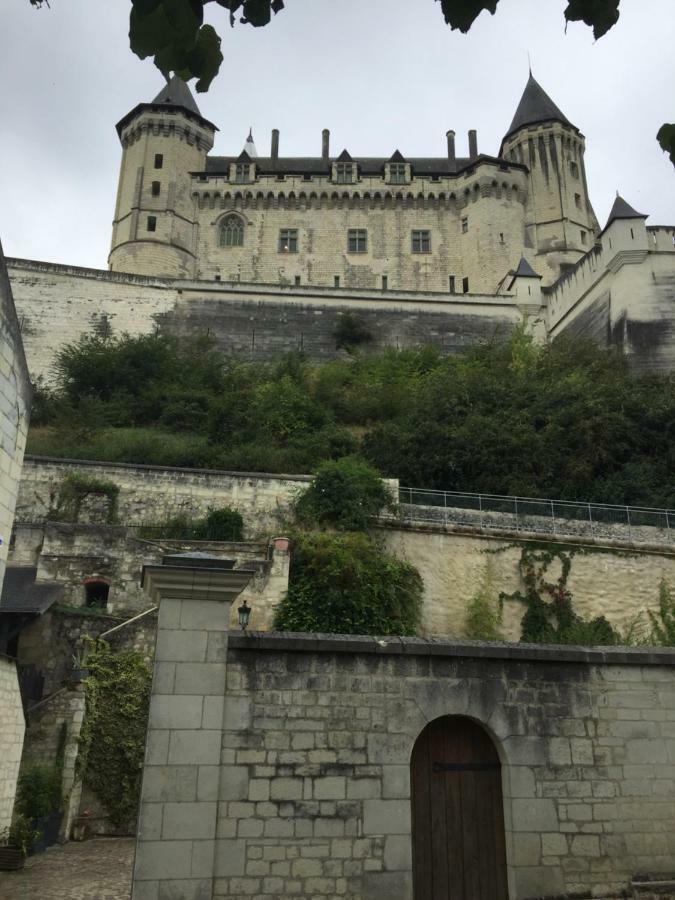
[[80, 670], [15, 842], [82, 826]]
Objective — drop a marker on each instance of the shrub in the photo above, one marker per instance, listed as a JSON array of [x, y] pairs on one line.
[[344, 494], [351, 332], [39, 791], [484, 614], [663, 622], [345, 584], [223, 524]]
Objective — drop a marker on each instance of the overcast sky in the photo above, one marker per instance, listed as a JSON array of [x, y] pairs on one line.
[[380, 74]]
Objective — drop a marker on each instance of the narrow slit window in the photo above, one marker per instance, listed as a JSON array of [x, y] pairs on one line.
[[465, 285], [159, 160], [152, 223], [156, 188], [451, 284]]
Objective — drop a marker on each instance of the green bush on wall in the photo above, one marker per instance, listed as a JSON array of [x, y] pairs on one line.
[[223, 524], [345, 584], [38, 791], [344, 494]]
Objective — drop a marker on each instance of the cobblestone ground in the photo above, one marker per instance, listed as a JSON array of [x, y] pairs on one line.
[[99, 869]]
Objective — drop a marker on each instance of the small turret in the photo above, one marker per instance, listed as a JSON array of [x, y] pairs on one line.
[[524, 283], [625, 228], [154, 225], [559, 222]]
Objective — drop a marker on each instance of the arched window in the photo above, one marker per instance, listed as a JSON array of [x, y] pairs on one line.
[[96, 590], [232, 232]]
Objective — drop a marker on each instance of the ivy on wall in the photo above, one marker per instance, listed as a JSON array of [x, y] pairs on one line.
[[112, 740], [73, 491], [549, 616]]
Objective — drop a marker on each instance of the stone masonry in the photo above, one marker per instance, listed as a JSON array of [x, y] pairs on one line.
[[314, 798], [11, 737]]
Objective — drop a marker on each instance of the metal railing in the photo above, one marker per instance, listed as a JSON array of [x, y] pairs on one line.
[[638, 524]]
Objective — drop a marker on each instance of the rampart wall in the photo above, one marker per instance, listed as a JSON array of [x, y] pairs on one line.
[[56, 304]]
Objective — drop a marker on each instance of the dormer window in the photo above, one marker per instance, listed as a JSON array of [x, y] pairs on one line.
[[398, 173], [242, 173], [344, 172]]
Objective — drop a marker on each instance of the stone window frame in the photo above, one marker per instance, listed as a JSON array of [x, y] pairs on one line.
[[398, 173], [155, 188], [231, 235], [357, 240], [465, 224], [420, 240], [574, 169], [344, 172], [159, 160], [151, 224], [288, 240], [92, 597], [243, 173]]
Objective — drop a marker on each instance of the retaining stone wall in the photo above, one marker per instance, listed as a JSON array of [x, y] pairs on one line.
[[314, 798]]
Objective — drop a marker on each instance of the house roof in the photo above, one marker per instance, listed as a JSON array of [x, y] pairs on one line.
[[535, 106], [21, 593], [368, 165]]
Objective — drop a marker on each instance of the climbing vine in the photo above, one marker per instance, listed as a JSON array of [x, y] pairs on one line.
[[73, 491], [549, 616], [112, 740]]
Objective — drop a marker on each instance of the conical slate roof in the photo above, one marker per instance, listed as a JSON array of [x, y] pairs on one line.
[[176, 93], [535, 106], [622, 210], [525, 270]]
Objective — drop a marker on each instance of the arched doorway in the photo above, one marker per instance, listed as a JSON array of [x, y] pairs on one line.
[[457, 814]]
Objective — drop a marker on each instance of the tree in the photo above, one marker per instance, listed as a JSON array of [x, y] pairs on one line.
[[174, 34]]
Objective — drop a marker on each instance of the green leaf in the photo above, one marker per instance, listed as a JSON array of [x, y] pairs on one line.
[[462, 13], [600, 14], [666, 138], [205, 59]]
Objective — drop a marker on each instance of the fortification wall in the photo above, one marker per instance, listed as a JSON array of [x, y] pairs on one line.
[[11, 737], [57, 304], [623, 299]]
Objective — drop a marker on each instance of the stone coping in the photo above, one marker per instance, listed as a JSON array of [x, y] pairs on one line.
[[290, 642], [147, 467]]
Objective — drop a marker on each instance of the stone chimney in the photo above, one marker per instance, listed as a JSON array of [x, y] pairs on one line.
[[473, 144], [325, 143], [275, 144], [451, 146]]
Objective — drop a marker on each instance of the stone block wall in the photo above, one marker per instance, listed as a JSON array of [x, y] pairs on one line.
[[15, 397], [152, 494], [314, 797], [11, 737]]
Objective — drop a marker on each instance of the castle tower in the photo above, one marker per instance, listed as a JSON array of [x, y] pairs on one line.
[[560, 225], [625, 229], [154, 230]]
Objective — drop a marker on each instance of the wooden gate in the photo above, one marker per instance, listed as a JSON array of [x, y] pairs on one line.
[[457, 814]]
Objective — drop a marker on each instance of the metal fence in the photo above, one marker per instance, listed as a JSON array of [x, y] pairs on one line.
[[639, 524]]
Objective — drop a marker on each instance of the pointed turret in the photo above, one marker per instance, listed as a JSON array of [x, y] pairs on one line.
[[535, 107], [249, 146], [625, 228], [559, 219], [524, 282], [622, 210], [177, 93], [164, 141]]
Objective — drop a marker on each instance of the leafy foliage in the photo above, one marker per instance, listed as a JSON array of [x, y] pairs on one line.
[[484, 614], [344, 494], [663, 622], [112, 740], [344, 584], [75, 488], [567, 420], [600, 15], [666, 138], [38, 791], [550, 617], [223, 524], [351, 332]]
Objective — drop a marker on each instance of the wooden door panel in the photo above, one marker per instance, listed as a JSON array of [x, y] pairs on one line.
[[457, 815]]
